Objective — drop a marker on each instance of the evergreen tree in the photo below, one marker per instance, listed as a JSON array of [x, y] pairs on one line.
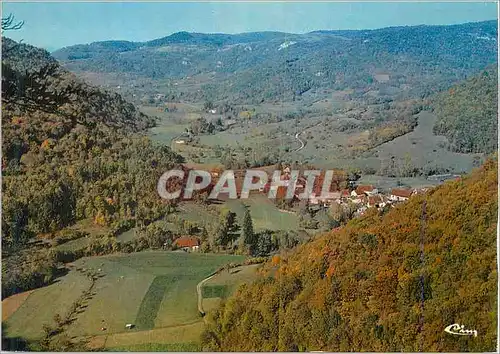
[[225, 227], [264, 243], [247, 230], [221, 235]]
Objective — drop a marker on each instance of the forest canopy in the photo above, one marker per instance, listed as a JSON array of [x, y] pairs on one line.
[[70, 152], [468, 113], [385, 282]]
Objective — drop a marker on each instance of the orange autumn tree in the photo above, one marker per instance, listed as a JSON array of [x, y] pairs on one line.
[[369, 285]]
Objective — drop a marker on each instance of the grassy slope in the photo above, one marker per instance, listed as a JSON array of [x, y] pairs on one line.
[[265, 214], [158, 347], [43, 304], [119, 300], [225, 283], [425, 148]]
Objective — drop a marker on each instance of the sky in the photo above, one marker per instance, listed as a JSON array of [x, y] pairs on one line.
[[53, 25]]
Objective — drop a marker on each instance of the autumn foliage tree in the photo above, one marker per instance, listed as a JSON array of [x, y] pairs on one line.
[[385, 282], [70, 152]]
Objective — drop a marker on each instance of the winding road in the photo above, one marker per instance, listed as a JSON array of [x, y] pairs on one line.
[[198, 291], [302, 144]]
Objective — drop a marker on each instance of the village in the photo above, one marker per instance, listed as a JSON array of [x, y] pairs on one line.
[[368, 196], [302, 191], [361, 197]]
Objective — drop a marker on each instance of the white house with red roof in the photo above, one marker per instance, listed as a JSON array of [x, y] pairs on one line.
[[187, 243], [364, 190], [400, 194]]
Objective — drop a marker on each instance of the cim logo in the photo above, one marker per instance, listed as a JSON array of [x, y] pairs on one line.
[[460, 330]]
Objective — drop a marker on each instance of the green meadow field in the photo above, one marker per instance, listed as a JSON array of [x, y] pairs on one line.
[[154, 290], [265, 214], [220, 286]]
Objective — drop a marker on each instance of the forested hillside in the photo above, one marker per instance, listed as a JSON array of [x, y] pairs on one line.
[[268, 66], [70, 152], [468, 113], [386, 282]]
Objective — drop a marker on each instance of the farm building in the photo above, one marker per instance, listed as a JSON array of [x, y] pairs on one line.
[[376, 201], [325, 201], [364, 190], [345, 194], [360, 199], [382, 77], [187, 243], [399, 195]]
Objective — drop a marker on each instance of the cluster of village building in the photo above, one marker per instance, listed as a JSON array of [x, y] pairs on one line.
[[367, 196], [363, 196]]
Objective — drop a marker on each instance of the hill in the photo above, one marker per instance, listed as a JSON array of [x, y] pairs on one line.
[[70, 152], [156, 291], [266, 66], [468, 113], [386, 282], [32, 81]]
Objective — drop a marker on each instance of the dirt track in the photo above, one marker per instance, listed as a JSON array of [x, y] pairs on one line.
[[302, 144], [200, 298]]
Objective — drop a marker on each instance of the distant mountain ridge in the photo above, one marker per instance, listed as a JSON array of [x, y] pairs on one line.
[[222, 38], [264, 66], [175, 38]]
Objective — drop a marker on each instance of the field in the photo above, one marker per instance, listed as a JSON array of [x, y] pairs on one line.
[[12, 303], [385, 183], [170, 124], [193, 212], [88, 226], [425, 148], [158, 347], [179, 338], [221, 285], [74, 245], [315, 126], [45, 303], [265, 214], [155, 291]]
